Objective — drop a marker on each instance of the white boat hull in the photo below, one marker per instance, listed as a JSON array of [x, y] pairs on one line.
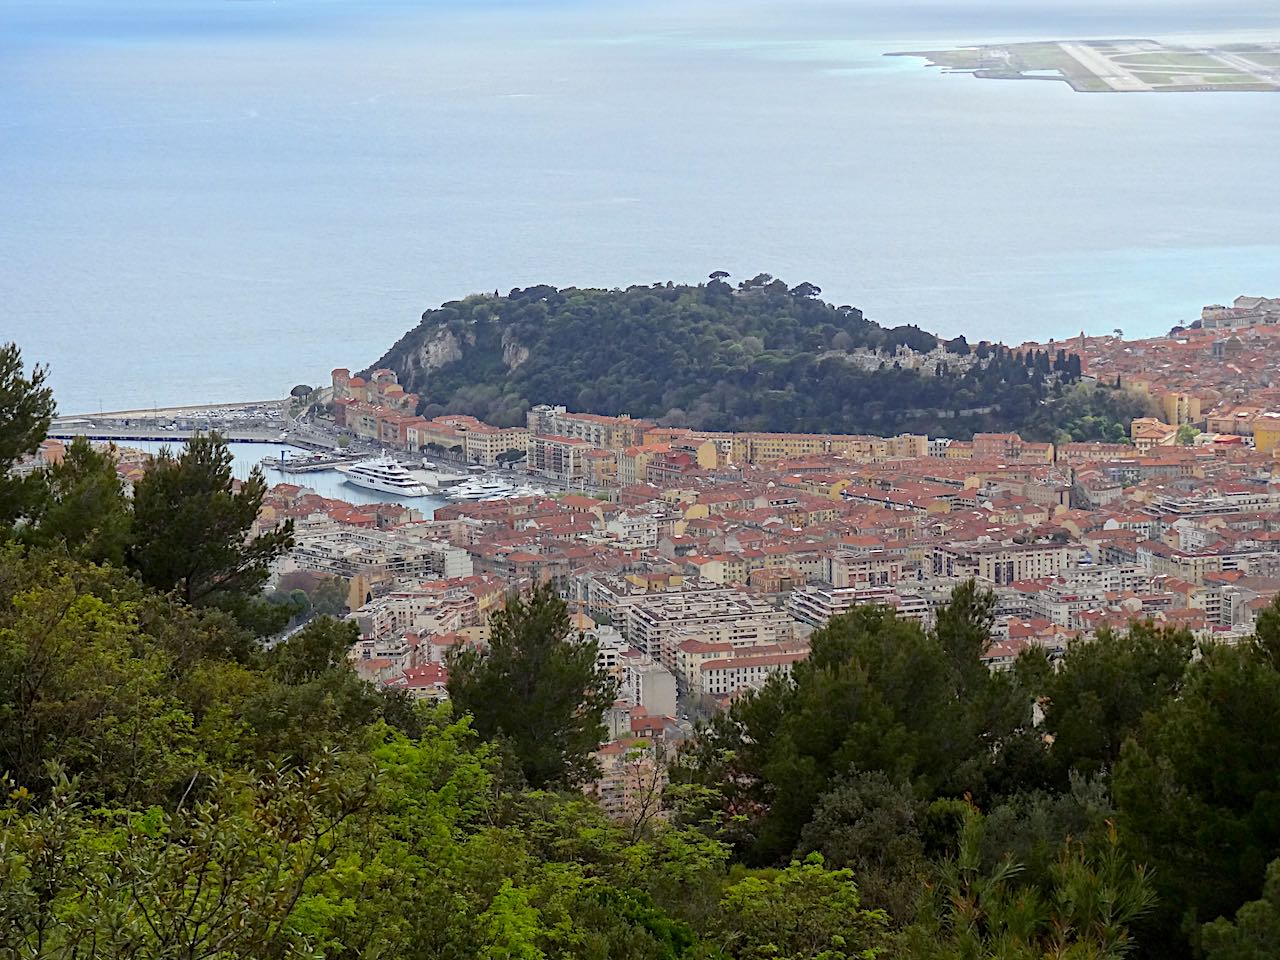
[[353, 475]]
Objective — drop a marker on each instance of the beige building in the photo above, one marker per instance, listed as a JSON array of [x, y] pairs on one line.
[[483, 443]]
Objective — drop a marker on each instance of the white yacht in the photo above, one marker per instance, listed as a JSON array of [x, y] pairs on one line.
[[481, 488], [384, 475]]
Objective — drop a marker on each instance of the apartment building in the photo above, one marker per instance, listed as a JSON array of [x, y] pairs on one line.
[[1001, 563], [606, 433], [660, 622], [732, 675], [648, 684], [815, 604], [1010, 448], [563, 458], [877, 568], [382, 557], [484, 444], [763, 447], [1243, 312]]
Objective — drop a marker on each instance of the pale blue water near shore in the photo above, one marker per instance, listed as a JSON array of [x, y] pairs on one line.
[[205, 200]]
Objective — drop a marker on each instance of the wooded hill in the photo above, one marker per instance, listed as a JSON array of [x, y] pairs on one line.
[[758, 356]]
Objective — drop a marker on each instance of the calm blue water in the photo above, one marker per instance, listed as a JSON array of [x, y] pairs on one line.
[[206, 200], [327, 483]]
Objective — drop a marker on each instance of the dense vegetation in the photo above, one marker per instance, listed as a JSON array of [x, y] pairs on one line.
[[176, 787], [760, 356]]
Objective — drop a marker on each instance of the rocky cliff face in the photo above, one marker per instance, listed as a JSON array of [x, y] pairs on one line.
[[414, 359], [514, 352]]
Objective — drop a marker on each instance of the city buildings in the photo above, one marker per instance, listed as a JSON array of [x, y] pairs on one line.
[[703, 563]]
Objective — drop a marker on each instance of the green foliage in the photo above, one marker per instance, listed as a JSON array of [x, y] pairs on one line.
[[220, 877], [802, 912], [536, 688], [1266, 637], [80, 505], [1254, 934], [1086, 411], [1198, 790], [1105, 687], [761, 357], [1187, 434], [191, 527], [876, 694], [874, 827], [80, 688], [329, 598], [980, 911], [26, 407]]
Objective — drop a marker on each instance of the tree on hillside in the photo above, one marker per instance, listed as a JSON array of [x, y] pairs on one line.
[[1266, 634], [877, 693], [1106, 685], [1086, 909], [26, 408], [1254, 933], [191, 527], [874, 827], [80, 505], [81, 689], [1198, 792], [221, 878], [802, 912], [536, 688]]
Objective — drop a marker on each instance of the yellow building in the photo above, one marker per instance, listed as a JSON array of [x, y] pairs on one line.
[[484, 443], [763, 447], [1266, 432], [1180, 408], [1148, 432]]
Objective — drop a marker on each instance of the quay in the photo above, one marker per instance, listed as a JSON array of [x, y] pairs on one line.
[[259, 421], [241, 435]]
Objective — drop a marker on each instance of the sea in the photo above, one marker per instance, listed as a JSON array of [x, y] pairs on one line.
[[215, 200]]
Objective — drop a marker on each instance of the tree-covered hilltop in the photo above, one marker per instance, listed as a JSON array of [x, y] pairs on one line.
[[758, 356]]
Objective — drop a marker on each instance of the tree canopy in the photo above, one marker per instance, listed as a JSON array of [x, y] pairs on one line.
[[26, 408], [191, 526], [536, 688], [761, 356]]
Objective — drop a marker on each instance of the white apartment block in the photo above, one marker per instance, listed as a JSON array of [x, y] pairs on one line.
[[647, 683], [658, 624], [732, 675], [1004, 563], [816, 604], [380, 555]]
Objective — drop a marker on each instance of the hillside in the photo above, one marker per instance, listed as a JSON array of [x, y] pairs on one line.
[[758, 356]]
